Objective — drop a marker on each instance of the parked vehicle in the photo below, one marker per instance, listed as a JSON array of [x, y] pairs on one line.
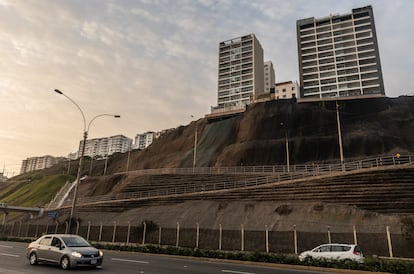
[[65, 250], [334, 252]]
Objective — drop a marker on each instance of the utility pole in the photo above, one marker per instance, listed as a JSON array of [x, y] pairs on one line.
[[338, 122]]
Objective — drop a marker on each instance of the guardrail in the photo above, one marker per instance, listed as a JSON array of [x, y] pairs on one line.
[[276, 174], [312, 168]]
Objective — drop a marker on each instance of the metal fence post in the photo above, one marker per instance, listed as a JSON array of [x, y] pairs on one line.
[[220, 235], [242, 237], [47, 227], [89, 231], [129, 231], [389, 242], [27, 230], [295, 239], [20, 227], [77, 227], [12, 230], [56, 227], [267, 238], [355, 235], [329, 235], [114, 232], [159, 236], [144, 232], [67, 227], [100, 231], [178, 234], [197, 234]]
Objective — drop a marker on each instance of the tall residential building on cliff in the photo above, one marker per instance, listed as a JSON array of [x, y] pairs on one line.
[[339, 56], [240, 72]]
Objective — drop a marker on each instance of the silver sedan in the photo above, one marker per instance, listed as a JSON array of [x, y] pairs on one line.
[[65, 250]]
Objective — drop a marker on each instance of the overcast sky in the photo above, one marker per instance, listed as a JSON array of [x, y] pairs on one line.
[[154, 62]]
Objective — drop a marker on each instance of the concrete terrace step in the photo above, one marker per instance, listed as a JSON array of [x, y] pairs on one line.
[[382, 190]]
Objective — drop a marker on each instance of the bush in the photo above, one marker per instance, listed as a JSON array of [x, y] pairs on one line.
[[370, 264]]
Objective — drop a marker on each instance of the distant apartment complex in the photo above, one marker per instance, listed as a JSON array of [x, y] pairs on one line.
[[286, 90], [269, 76], [102, 147], [240, 72], [339, 56], [36, 163], [143, 140]]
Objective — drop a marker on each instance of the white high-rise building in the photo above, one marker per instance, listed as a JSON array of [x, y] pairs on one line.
[[143, 140], [269, 76], [339, 56], [240, 72], [101, 147]]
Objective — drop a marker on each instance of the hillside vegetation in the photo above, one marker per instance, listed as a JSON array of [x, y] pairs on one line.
[[33, 189]]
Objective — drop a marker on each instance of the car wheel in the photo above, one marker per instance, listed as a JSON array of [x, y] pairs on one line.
[[308, 259], [33, 258], [65, 263]]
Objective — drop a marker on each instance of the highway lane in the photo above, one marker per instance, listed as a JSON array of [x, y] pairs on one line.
[[13, 260]]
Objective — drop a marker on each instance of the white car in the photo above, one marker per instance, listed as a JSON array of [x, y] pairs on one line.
[[334, 252]]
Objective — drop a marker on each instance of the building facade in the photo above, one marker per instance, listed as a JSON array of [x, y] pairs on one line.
[[143, 140], [286, 90], [339, 56], [269, 76], [37, 163], [102, 147], [240, 72]]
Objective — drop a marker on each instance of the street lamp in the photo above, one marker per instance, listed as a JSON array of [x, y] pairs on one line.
[[195, 145], [287, 146], [85, 137], [338, 123]]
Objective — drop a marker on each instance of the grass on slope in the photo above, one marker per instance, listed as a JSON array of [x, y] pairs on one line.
[[35, 191]]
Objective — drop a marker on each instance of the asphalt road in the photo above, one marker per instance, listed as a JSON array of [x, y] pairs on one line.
[[13, 260]]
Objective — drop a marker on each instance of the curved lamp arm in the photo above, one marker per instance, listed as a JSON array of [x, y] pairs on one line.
[[70, 99]]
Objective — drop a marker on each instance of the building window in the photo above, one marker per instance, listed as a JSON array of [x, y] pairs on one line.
[[284, 90]]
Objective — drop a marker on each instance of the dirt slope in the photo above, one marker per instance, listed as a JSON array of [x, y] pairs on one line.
[[369, 127]]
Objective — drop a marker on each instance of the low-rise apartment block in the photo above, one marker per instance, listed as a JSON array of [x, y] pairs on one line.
[[286, 90], [102, 147], [143, 140], [37, 163]]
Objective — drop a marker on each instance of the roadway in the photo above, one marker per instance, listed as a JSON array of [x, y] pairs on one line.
[[13, 260]]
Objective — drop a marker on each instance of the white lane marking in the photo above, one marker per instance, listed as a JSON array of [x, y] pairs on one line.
[[10, 255], [6, 246], [130, 261], [236, 272]]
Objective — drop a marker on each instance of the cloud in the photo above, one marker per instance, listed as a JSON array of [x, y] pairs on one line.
[[154, 62]]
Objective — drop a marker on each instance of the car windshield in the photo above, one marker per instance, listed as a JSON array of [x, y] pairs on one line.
[[73, 241]]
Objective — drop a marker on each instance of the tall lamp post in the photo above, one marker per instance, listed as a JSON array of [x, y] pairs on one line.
[[338, 123], [85, 137], [287, 146], [195, 146]]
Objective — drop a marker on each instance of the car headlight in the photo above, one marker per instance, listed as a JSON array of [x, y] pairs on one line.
[[76, 254], [100, 253]]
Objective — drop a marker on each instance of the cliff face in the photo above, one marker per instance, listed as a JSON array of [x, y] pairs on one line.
[[370, 127]]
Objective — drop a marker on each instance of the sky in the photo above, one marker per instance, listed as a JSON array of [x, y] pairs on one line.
[[154, 62]]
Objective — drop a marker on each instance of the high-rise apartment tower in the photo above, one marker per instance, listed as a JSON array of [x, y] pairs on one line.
[[269, 76], [339, 56], [240, 71]]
